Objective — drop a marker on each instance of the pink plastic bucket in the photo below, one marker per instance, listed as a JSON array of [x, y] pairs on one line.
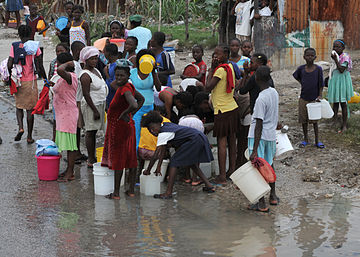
[[48, 167]]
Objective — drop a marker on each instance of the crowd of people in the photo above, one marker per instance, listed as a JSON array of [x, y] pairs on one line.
[[235, 98]]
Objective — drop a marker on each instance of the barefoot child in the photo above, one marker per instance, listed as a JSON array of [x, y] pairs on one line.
[[120, 142], [221, 83], [310, 77], [80, 29], [192, 147], [340, 85], [262, 134]]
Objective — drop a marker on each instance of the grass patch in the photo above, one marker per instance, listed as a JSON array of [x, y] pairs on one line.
[[68, 220], [199, 33], [354, 107]]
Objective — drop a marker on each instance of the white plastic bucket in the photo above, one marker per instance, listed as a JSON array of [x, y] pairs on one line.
[[164, 166], [314, 111], [283, 144], [250, 182], [103, 180], [206, 169], [149, 185], [171, 51], [326, 110]]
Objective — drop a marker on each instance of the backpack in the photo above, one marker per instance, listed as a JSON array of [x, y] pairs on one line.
[[19, 53]]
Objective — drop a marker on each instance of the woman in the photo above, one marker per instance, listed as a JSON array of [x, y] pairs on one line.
[[27, 92], [66, 112], [93, 104], [80, 29], [117, 30], [144, 83], [13, 6]]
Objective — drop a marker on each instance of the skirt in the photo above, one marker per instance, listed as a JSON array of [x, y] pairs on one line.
[[340, 87], [88, 115], [226, 123], [65, 141], [27, 95], [14, 5]]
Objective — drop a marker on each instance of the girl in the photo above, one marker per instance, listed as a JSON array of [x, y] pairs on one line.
[[117, 30], [80, 30], [94, 90], [27, 92], [192, 147], [221, 83], [66, 112], [130, 48], [234, 54], [144, 83], [340, 85], [60, 48], [13, 6], [119, 147], [111, 54], [63, 35], [198, 53]]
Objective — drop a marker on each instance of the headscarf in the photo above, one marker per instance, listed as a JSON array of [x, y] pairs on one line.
[[88, 52]]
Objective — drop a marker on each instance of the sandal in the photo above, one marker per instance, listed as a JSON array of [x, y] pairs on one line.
[[90, 165], [19, 135], [129, 194], [255, 207], [162, 196], [197, 183], [303, 144], [112, 196], [209, 189], [187, 181], [30, 141], [64, 179], [320, 145], [275, 201]]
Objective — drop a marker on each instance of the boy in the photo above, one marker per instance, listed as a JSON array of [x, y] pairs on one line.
[[163, 60], [262, 134], [310, 77], [242, 11]]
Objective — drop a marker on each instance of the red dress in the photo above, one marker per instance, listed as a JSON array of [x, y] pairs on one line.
[[120, 142]]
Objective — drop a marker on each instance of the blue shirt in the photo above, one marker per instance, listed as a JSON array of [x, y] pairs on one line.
[[111, 78], [163, 62], [143, 36], [311, 82], [241, 62], [144, 86]]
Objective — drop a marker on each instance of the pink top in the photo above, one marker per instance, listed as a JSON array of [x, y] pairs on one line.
[[65, 105], [345, 57], [27, 69]]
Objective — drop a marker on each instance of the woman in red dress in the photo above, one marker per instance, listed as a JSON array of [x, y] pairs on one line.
[[120, 142]]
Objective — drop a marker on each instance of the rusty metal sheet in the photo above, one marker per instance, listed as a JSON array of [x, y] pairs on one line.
[[296, 15], [326, 10], [351, 21]]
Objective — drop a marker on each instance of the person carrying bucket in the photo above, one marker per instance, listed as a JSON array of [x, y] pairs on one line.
[[311, 79], [262, 134]]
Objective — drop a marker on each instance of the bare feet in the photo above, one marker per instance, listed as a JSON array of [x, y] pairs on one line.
[[129, 194], [112, 196], [19, 135], [219, 181]]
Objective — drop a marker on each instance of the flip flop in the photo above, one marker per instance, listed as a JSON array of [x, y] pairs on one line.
[[19, 135], [209, 189], [63, 179], [129, 194], [320, 145], [187, 181], [255, 207], [30, 141], [112, 196], [89, 165], [197, 183], [162, 196], [275, 201], [215, 183], [303, 144]]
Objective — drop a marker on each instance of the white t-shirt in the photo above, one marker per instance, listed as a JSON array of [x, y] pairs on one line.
[[188, 82], [265, 12], [267, 109], [242, 13], [78, 69]]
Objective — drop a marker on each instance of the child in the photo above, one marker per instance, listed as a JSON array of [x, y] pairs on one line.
[[80, 29], [13, 6], [119, 147], [63, 35], [234, 53], [130, 48], [262, 134], [266, 7], [117, 30], [26, 9], [198, 53], [340, 85], [27, 92], [60, 48], [221, 83], [242, 11], [192, 147], [163, 60], [111, 54], [246, 48], [66, 112], [310, 77]]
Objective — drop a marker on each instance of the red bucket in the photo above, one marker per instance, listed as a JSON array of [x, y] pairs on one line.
[[48, 167]]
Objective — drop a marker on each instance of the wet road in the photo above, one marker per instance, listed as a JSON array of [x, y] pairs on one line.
[[51, 219]]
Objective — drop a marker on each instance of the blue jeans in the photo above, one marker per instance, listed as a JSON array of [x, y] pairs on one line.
[[137, 119]]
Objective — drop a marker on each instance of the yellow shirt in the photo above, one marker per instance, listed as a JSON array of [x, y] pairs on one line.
[[147, 140], [221, 100]]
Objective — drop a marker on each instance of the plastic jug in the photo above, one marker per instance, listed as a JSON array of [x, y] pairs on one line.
[[314, 111], [326, 110], [283, 144], [146, 63], [250, 182], [164, 166]]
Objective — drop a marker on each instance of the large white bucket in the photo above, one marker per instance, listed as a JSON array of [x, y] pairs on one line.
[[104, 179], [283, 144], [149, 185], [326, 110], [206, 169], [314, 111], [171, 51], [250, 182], [164, 166]]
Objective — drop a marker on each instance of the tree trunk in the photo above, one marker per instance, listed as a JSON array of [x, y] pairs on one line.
[[160, 14], [223, 23], [95, 7], [187, 21]]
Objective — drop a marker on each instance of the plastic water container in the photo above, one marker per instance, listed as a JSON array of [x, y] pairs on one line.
[[171, 51], [206, 169], [119, 42], [48, 167], [103, 180], [326, 110], [250, 182], [283, 144], [99, 153], [146, 63], [164, 166], [149, 185], [314, 111]]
